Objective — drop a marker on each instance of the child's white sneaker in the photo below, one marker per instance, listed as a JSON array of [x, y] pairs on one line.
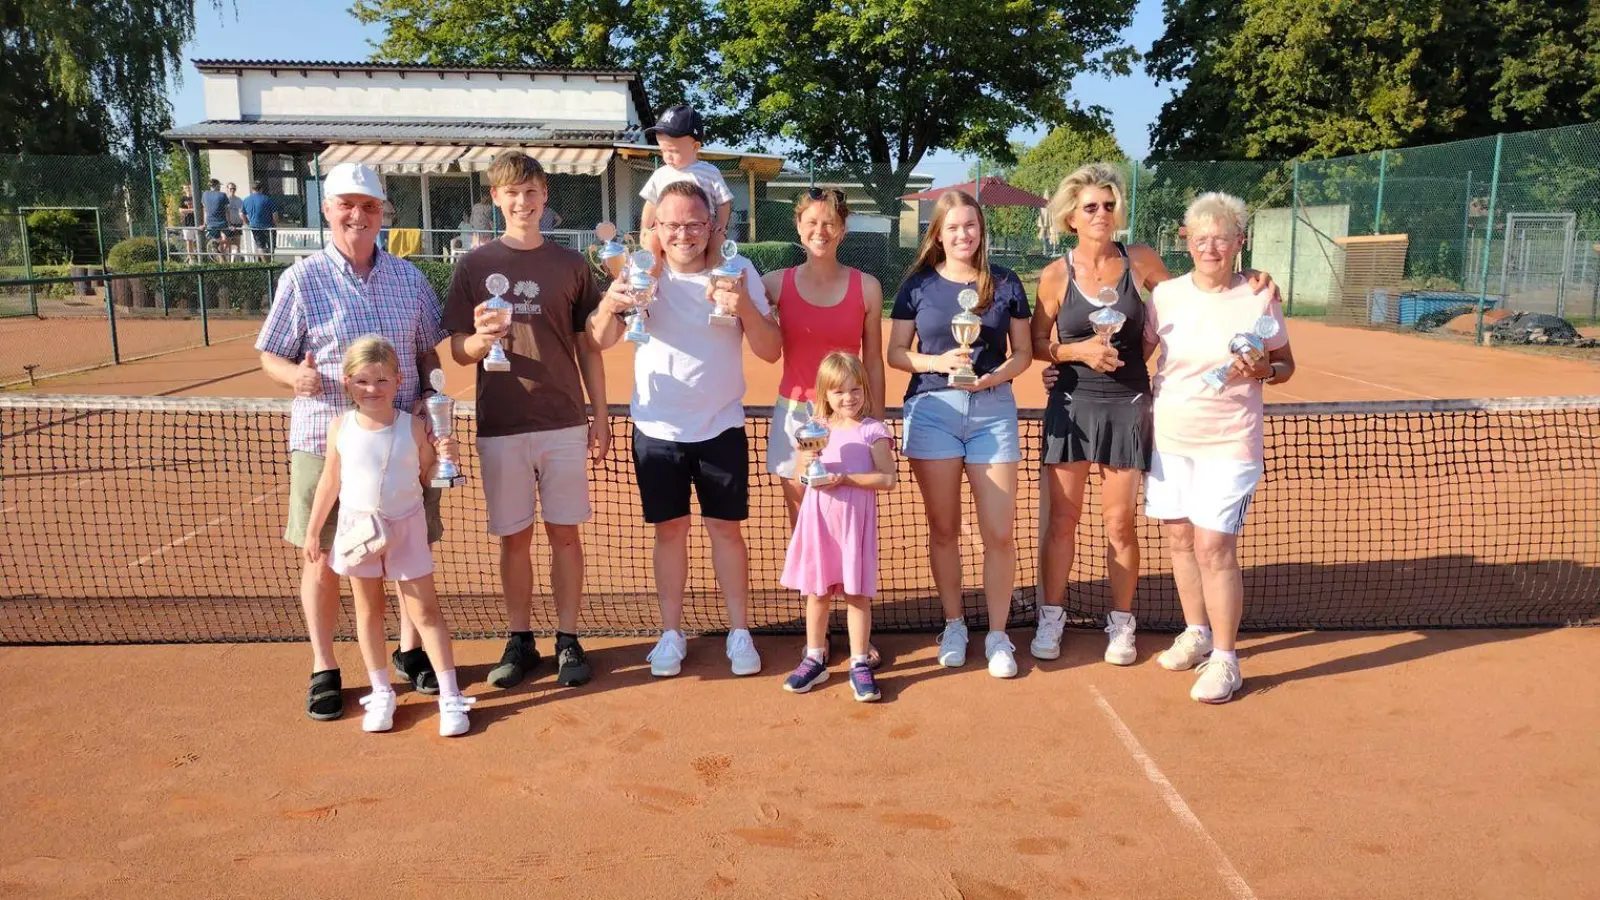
[[953, 645], [380, 711], [1120, 647], [453, 714], [1047, 637]]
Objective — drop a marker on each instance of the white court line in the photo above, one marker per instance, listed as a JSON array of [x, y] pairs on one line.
[[71, 487], [211, 524], [1379, 386], [1169, 794]]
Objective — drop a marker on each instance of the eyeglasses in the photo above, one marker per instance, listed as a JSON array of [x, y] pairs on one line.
[[1089, 209], [689, 228], [1216, 241]]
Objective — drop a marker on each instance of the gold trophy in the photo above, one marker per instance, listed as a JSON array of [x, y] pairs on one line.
[[610, 255], [966, 326]]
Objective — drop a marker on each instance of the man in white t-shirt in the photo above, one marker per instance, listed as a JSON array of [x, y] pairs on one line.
[[688, 417]]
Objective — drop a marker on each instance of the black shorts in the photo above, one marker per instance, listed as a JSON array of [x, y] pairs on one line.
[[263, 239], [719, 470]]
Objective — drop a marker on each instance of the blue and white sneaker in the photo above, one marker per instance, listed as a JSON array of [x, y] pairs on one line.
[[863, 684], [810, 673]]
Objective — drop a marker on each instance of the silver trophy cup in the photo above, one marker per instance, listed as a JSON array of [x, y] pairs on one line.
[[1249, 347], [1106, 321], [643, 287], [497, 361], [441, 415], [611, 253], [727, 270], [965, 326], [812, 436]]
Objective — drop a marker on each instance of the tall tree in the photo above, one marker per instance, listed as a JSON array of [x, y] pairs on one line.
[[90, 75], [1282, 78], [870, 87], [665, 41], [873, 86]]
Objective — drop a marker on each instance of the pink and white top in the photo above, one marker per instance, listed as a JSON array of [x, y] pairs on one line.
[[1192, 328]]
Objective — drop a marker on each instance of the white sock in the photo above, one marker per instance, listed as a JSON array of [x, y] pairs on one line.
[[1117, 617], [864, 659], [1202, 630], [379, 679], [674, 632], [820, 654], [956, 621], [447, 684], [1225, 656]]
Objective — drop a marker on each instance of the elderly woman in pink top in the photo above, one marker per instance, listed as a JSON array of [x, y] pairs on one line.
[[822, 306], [1208, 442]]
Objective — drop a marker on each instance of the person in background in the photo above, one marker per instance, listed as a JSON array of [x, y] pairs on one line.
[[217, 215], [261, 215]]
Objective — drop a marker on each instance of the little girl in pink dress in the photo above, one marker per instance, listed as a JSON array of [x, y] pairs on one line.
[[834, 549]]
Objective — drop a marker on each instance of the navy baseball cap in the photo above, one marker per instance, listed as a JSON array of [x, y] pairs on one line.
[[679, 121]]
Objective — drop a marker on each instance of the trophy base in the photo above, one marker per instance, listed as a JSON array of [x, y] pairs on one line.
[[637, 337], [811, 480], [456, 481], [497, 365], [723, 320], [963, 378]]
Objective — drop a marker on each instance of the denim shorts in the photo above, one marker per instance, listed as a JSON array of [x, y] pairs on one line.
[[978, 427]]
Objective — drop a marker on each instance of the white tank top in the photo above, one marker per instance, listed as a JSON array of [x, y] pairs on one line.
[[361, 454]]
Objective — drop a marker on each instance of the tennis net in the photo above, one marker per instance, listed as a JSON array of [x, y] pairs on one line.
[[156, 520]]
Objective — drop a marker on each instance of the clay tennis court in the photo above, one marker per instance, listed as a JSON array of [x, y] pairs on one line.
[[1391, 764]]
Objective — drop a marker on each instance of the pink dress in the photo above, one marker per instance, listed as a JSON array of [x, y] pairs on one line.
[[835, 542]]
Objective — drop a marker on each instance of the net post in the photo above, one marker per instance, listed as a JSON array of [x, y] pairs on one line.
[[1488, 237], [1294, 228], [205, 321], [111, 322], [161, 235], [316, 173], [1383, 173], [27, 268]]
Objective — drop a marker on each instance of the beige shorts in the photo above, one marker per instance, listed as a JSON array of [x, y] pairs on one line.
[[304, 471], [540, 468]]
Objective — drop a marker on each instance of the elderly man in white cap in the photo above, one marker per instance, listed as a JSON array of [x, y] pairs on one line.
[[325, 302]]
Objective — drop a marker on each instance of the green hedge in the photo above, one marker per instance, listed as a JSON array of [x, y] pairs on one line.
[[770, 256], [872, 253], [239, 287], [131, 252], [438, 274], [66, 289]]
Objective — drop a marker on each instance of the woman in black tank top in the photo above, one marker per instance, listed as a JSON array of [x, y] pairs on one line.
[[1099, 406]]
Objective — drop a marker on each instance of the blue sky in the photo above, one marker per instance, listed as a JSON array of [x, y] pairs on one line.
[[323, 29]]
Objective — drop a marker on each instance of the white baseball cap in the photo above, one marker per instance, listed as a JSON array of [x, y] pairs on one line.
[[352, 178]]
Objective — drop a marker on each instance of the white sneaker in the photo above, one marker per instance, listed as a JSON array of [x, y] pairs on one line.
[[453, 714], [1047, 637], [666, 660], [1001, 654], [1120, 649], [1219, 678], [380, 711], [742, 653], [953, 645], [1186, 652]]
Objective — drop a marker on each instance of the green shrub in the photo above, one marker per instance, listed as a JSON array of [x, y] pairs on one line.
[[438, 274], [239, 287], [770, 256], [52, 234], [132, 251], [872, 253]]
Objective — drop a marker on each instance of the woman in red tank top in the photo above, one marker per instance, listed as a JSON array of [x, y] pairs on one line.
[[822, 306]]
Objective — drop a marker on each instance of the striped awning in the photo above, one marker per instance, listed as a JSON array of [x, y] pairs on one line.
[[394, 159], [555, 160]]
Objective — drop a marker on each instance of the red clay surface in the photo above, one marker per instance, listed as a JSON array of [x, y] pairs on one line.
[[1399, 765]]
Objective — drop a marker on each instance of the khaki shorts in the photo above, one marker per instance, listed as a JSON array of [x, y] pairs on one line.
[[305, 469], [538, 468]]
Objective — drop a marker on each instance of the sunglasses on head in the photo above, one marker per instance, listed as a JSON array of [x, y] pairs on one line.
[[834, 194], [1092, 208]]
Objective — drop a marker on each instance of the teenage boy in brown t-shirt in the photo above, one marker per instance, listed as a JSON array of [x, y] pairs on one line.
[[534, 435]]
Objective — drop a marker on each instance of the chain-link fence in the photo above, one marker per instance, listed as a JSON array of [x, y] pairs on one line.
[[1399, 238]]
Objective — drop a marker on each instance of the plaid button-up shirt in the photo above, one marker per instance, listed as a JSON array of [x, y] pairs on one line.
[[322, 307]]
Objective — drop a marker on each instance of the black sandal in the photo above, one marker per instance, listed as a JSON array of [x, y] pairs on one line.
[[414, 666], [325, 698]]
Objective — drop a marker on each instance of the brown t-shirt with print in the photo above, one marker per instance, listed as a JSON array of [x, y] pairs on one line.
[[552, 294]]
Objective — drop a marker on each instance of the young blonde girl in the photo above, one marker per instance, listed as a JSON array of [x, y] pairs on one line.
[[377, 460], [834, 549]]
